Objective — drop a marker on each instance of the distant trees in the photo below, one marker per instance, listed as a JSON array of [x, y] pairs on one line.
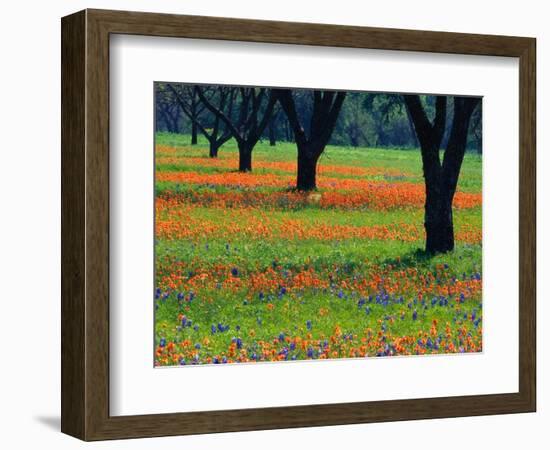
[[167, 110], [311, 143], [441, 177], [222, 96], [365, 119], [255, 109]]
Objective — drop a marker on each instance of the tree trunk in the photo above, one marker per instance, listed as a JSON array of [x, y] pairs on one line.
[[245, 158], [441, 179], [307, 169], [438, 218], [193, 133], [214, 147]]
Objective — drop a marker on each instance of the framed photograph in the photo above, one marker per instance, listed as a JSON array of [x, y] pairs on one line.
[[273, 225]]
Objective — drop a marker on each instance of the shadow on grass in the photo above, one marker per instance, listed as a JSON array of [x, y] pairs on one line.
[[415, 258]]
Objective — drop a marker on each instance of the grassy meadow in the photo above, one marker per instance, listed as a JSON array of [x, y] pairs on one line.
[[249, 270]]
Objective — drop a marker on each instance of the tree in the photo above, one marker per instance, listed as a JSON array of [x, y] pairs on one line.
[[252, 119], [324, 114], [354, 125], [441, 178], [167, 110], [224, 98], [185, 97]]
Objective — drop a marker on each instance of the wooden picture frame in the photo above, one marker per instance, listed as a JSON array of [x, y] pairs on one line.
[[85, 224]]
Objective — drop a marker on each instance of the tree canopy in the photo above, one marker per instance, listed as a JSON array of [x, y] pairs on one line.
[[365, 119]]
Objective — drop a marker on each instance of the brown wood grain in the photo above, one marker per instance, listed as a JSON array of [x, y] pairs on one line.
[[85, 224], [73, 226]]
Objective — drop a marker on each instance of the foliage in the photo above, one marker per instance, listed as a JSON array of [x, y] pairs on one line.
[[365, 120]]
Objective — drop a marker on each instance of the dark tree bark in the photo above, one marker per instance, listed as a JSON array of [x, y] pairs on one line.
[[213, 150], [252, 120], [441, 178], [245, 158], [194, 138], [307, 168], [326, 107], [271, 131], [225, 98]]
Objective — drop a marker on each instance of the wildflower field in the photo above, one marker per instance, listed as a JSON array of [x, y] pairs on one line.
[[249, 270]]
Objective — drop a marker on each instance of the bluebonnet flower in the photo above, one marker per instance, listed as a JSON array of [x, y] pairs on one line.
[[281, 337], [415, 315], [235, 272], [198, 346], [181, 295], [196, 328], [162, 342], [308, 324]]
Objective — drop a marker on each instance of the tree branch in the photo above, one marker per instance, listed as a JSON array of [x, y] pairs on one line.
[[287, 103], [220, 115]]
